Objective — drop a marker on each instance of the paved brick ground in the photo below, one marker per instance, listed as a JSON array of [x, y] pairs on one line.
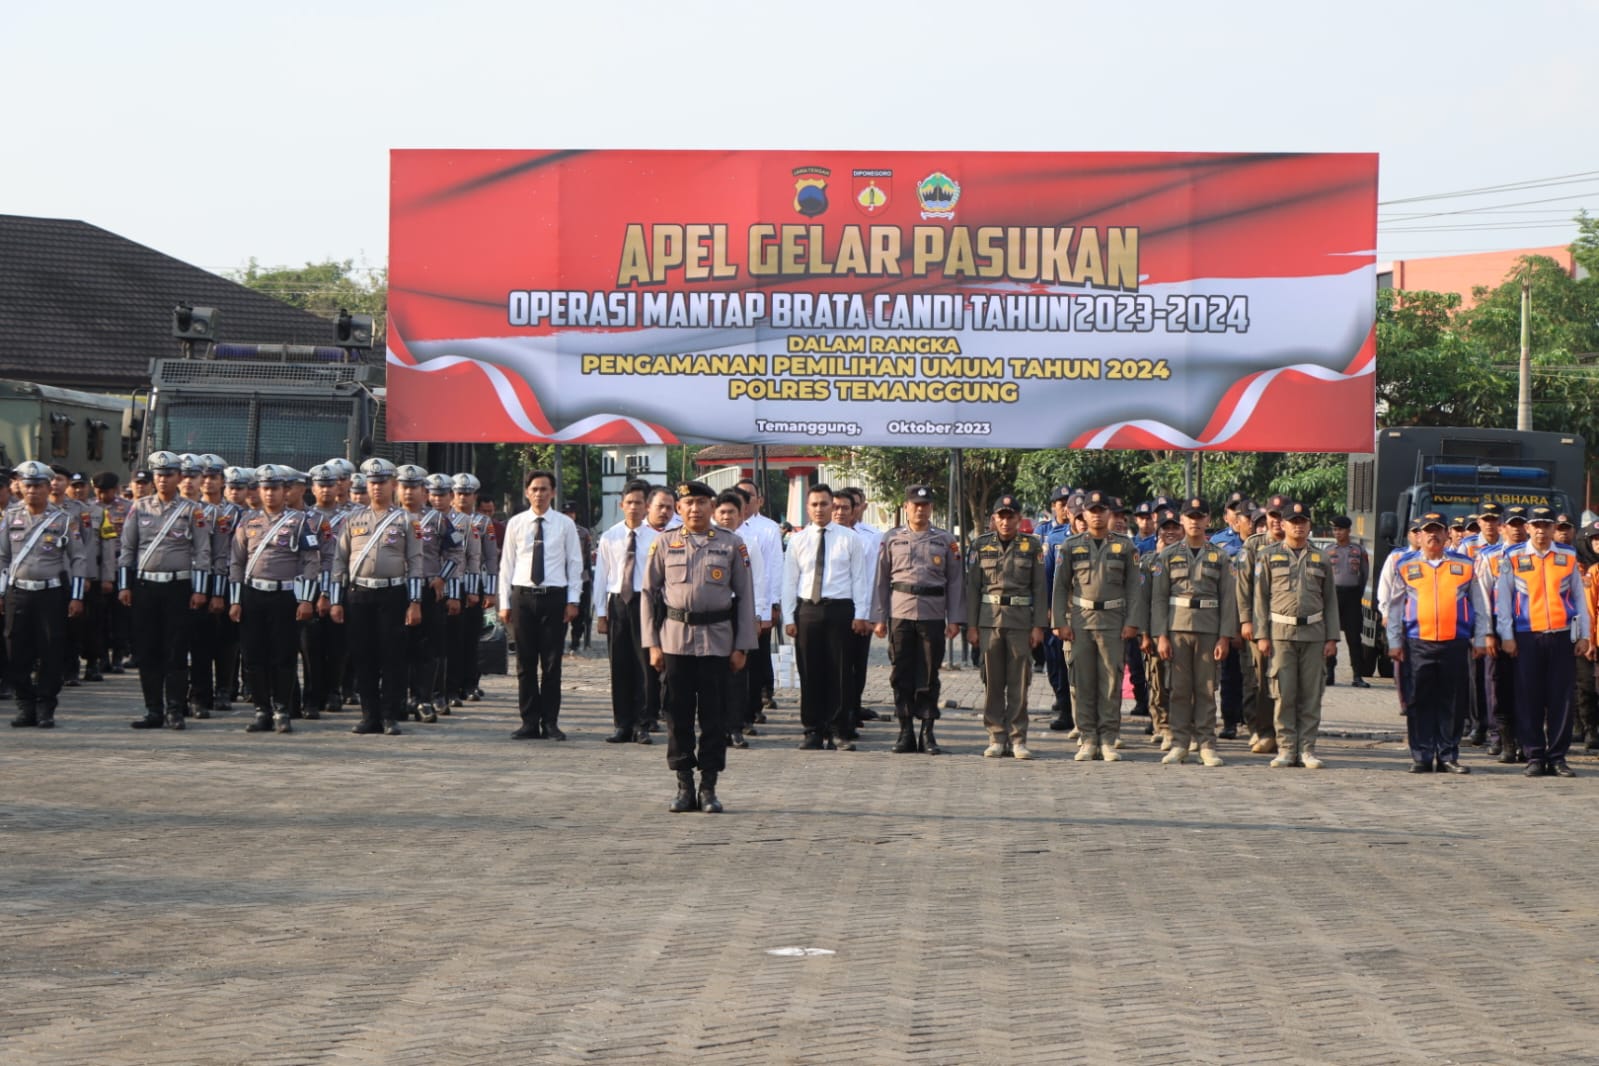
[[453, 896]]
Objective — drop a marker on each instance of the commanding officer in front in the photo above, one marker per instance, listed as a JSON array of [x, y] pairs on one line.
[[1437, 611], [1193, 620], [1006, 615], [1094, 609], [274, 580], [700, 579], [164, 574], [1541, 616], [379, 557], [1296, 630], [918, 603], [41, 586]]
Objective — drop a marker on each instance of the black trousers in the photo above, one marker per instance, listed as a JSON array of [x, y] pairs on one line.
[[857, 650], [461, 635], [630, 662], [917, 651], [1349, 617], [424, 644], [374, 621], [35, 629], [91, 625], [323, 647], [1435, 676], [697, 685], [758, 664], [268, 629], [540, 621], [205, 645], [162, 624], [821, 631]]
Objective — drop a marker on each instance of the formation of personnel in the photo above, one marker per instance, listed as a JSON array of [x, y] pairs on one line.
[[373, 590]]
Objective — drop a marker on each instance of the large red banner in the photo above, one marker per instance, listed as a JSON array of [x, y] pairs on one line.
[[978, 299]]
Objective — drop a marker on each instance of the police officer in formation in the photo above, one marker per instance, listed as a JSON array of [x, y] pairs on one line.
[[918, 603], [699, 580], [1193, 618], [274, 581], [1296, 631], [1006, 615], [41, 584]]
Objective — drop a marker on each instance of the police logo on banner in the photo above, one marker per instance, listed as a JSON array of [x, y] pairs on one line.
[[810, 190], [872, 189], [938, 193]]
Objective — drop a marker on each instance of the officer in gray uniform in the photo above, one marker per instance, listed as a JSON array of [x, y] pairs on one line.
[[1193, 620], [164, 575], [461, 673], [322, 646], [918, 603], [441, 497], [41, 586], [1296, 629], [1096, 610], [1351, 567], [376, 590], [1259, 707], [1007, 611], [441, 564], [699, 578], [274, 579]]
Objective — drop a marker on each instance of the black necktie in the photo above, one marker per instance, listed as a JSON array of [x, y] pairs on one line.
[[538, 551], [629, 561], [820, 568]]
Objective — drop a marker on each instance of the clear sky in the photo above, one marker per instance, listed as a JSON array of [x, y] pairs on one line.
[[219, 131]]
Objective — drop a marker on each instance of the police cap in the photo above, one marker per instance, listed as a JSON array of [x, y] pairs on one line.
[[77, 478], [378, 469], [189, 464], [165, 462], [142, 477], [440, 483], [324, 474], [1563, 519], [1196, 506], [1064, 492], [1343, 521], [269, 474], [466, 483], [1432, 518], [918, 494], [1277, 504], [1007, 502], [1167, 517], [357, 482], [1236, 498], [1147, 507], [1517, 513], [690, 489], [212, 463], [1491, 510], [1103, 500], [238, 476], [1293, 510], [340, 466], [1541, 516], [411, 474], [32, 471]]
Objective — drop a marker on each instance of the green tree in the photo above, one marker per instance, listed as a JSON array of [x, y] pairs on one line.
[[324, 288]]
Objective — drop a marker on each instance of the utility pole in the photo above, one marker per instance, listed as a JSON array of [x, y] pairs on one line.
[[1524, 396]]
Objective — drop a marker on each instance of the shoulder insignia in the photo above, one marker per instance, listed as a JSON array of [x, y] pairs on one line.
[[1315, 557], [1115, 549], [1212, 557], [744, 550]]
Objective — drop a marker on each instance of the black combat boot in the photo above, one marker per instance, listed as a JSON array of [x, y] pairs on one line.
[[280, 721], [26, 717], [153, 719], [261, 724], [928, 743], [707, 797], [175, 714], [686, 800], [906, 744], [47, 714]]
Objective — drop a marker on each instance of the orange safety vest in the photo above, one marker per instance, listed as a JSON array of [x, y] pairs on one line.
[[1541, 600], [1438, 598]]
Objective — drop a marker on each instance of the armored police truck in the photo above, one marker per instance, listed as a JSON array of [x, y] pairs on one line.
[[1414, 470]]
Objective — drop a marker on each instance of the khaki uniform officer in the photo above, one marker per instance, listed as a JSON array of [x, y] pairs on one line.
[[1096, 609], [41, 584], [699, 579], [274, 580], [1193, 619], [377, 588], [1157, 671], [1296, 628], [918, 602], [1006, 613]]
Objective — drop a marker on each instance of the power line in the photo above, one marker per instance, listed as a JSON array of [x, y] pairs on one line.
[[1483, 210], [1535, 183]]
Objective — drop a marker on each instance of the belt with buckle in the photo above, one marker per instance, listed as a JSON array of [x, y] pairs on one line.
[[162, 577], [377, 582], [542, 590], [699, 618], [1007, 601], [917, 590], [271, 586], [1098, 605], [1290, 620], [35, 586], [1193, 603]]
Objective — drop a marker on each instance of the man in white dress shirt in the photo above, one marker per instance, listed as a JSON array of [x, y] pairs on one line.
[[757, 527], [618, 584], [541, 568], [823, 603], [848, 504]]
